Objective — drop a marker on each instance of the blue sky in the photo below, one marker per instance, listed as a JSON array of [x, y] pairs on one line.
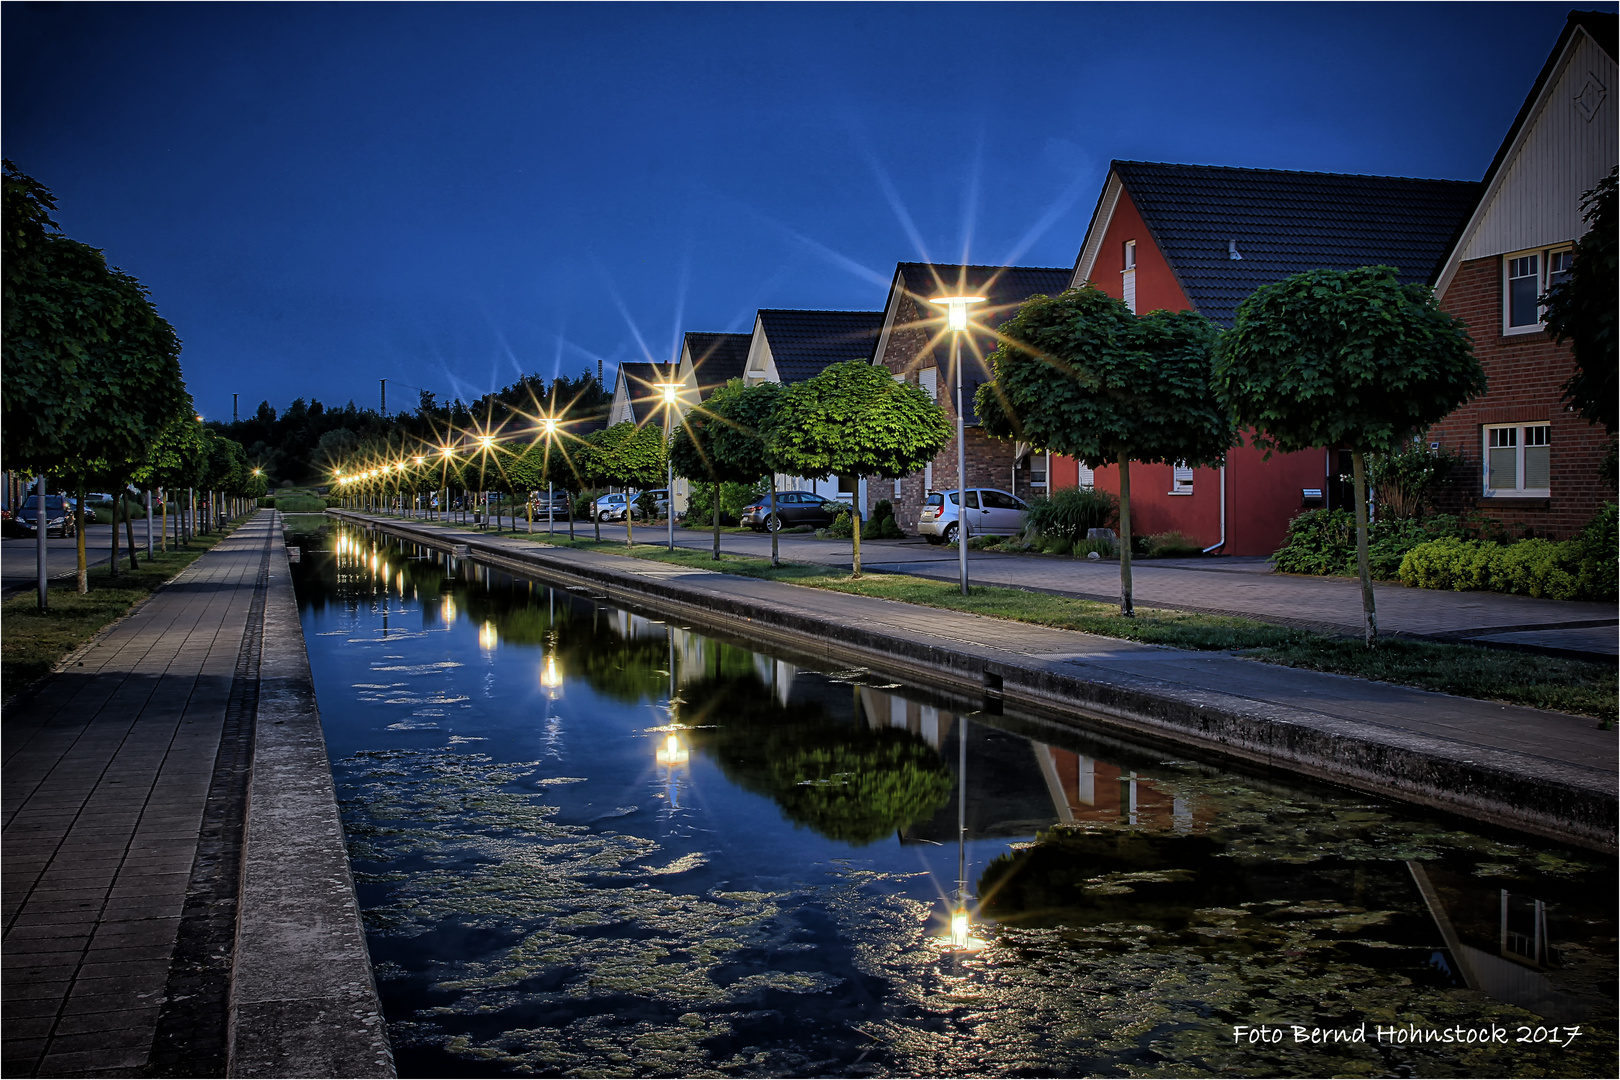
[[446, 196]]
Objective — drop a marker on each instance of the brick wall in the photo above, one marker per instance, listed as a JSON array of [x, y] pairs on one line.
[[1525, 374]]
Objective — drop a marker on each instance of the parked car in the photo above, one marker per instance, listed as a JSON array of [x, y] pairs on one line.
[[793, 508], [559, 501], [990, 512], [58, 515], [611, 507]]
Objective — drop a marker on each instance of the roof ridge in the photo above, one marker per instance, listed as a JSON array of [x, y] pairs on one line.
[[819, 311], [982, 266], [1287, 172]]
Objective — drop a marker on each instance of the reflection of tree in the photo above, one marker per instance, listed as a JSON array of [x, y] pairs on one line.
[[845, 781]]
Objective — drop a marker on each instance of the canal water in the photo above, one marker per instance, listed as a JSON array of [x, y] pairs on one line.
[[588, 841]]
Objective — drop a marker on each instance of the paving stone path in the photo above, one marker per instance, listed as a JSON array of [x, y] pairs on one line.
[[123, 789]]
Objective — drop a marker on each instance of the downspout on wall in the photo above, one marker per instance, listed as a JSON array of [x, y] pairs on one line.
[[1222, 543]]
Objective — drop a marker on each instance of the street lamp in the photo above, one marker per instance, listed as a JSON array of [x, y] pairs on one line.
[[548, 427], [956, 321], [672, 398]]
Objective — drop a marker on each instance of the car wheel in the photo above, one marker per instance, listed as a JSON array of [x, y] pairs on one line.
[[950, 534], [932, 539], [774, 523]]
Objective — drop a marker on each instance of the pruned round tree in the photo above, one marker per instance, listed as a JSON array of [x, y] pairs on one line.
[[720, 441], [1078, 374], [1345, 358], [630, 455], [855, 419]]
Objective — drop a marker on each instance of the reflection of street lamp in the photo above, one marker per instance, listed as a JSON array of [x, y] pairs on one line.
[[487, 636], [672, 398], [671, 752], [956, 308], [550, 676]]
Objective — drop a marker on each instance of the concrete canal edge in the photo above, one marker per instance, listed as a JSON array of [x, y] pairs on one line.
[[303, 1000], [1517, 791]]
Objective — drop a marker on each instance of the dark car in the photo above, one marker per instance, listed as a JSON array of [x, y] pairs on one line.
[[793, 508], [58, 515], [559, 501]]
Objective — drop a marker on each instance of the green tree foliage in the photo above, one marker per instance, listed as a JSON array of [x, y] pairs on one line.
[[1080, 375], [855, 419], [1346, 358], [91, 370], [1581, 310], [719, 441], [630, 456], [741, 441]]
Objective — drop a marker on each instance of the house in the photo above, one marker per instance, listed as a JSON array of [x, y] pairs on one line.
[[1528, 460], [789, 346], [1202, 238], [709, 361], [914, 345], [638, 393]]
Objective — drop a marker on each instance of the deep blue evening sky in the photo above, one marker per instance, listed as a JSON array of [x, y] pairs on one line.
[[448, 196]]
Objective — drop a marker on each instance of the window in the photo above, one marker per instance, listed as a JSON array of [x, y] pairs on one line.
[[1128, 276], [1181, 479], [1518, 460], [928, 380], [1000, 500], [1527, 276]]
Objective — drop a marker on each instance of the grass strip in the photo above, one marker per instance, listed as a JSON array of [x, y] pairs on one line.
[[34, 642], [1583, 687]]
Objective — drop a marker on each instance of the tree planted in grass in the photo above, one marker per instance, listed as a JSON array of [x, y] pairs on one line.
[[1079, 374], [855, 419], [630, 456], [719, 441], [1345, 358]]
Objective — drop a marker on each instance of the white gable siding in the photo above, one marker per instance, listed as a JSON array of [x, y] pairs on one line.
[[1092, 247], [761, 366], [1560, 154]]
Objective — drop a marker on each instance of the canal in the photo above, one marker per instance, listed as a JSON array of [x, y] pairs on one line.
[[588, 841]]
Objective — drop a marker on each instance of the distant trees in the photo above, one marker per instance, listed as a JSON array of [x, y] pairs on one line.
[[1345, 358], [1080, 375], [855, 419]]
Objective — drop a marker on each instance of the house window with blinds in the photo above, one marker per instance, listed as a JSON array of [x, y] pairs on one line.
[[1128, 276], [1181, 479], [1518, 461]]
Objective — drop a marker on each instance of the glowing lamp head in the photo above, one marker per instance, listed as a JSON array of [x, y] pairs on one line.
[[444, 451], [671, 392], [486, 441], [548, 426], [260, 472], [417, 459], [956, 310]]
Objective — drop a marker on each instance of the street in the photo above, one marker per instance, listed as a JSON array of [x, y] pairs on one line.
[[17, 555]]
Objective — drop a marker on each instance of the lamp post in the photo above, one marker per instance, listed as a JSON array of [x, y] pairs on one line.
[[672, 397], [444, 481], [956, 309], [549, 426]]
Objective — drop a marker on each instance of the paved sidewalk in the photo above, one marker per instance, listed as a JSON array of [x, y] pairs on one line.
[[1222, 585], [108, 795], [1531, 750]]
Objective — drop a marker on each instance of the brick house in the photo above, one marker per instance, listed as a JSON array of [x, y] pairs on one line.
[[1529, 461], [915, 347], [1204, 237]]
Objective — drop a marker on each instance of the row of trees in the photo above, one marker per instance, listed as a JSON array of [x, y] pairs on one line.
[[93, 392]]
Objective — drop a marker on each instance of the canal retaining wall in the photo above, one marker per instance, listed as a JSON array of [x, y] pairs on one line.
[[303, 1000], [1571, 802]]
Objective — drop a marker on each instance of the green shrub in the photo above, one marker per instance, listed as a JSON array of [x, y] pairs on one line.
[[882, 524], [299, 502], [332, 501], [1558, 570], [733, 497], [1056, 545], [267, 502], [1070, 512], [841, 528], [1324, 542], [1173, 545], [979, 543], [1104, 548]]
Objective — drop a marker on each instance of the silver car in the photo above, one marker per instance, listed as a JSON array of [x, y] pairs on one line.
[[990, 512]]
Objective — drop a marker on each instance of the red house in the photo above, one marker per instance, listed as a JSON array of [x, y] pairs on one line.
[[1529, 461], [1204, 237]]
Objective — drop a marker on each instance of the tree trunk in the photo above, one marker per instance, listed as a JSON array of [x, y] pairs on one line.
[[148, 504], [596, 520], [112, 551], [629, 512], [1358, 464], [78, 539], [717, 521], [855, 528], [773, 525], [163, 543], [129, 533], [1127, 606], [41, 582]]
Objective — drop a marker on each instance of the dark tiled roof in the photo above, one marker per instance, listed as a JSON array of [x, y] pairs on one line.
[[1285, 222], [1005, 288], [804, 342], [640, 382], [717, 358]]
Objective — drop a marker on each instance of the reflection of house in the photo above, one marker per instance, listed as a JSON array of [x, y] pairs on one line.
[[1017, 786], [915, 347], [1528, 460], [1202, 238], [791, 346]]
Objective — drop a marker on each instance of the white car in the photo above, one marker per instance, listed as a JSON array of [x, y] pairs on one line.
[[611, 507], [990, 512]]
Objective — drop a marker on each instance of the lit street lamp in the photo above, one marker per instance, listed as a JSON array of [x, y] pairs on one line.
[[956, 308], [672, 398], [549, 427]]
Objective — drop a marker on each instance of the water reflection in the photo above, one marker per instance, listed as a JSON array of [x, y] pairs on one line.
[[588, 840]]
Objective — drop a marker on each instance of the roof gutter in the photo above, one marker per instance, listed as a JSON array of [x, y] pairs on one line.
[[1217, 547]]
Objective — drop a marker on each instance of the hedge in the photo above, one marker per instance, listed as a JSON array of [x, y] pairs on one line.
[[1583, 568]]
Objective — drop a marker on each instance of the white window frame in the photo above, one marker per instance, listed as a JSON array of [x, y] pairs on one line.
[[1544, 258], [1181, 479], [1525, 437], [1127, 276], [928, 382]]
